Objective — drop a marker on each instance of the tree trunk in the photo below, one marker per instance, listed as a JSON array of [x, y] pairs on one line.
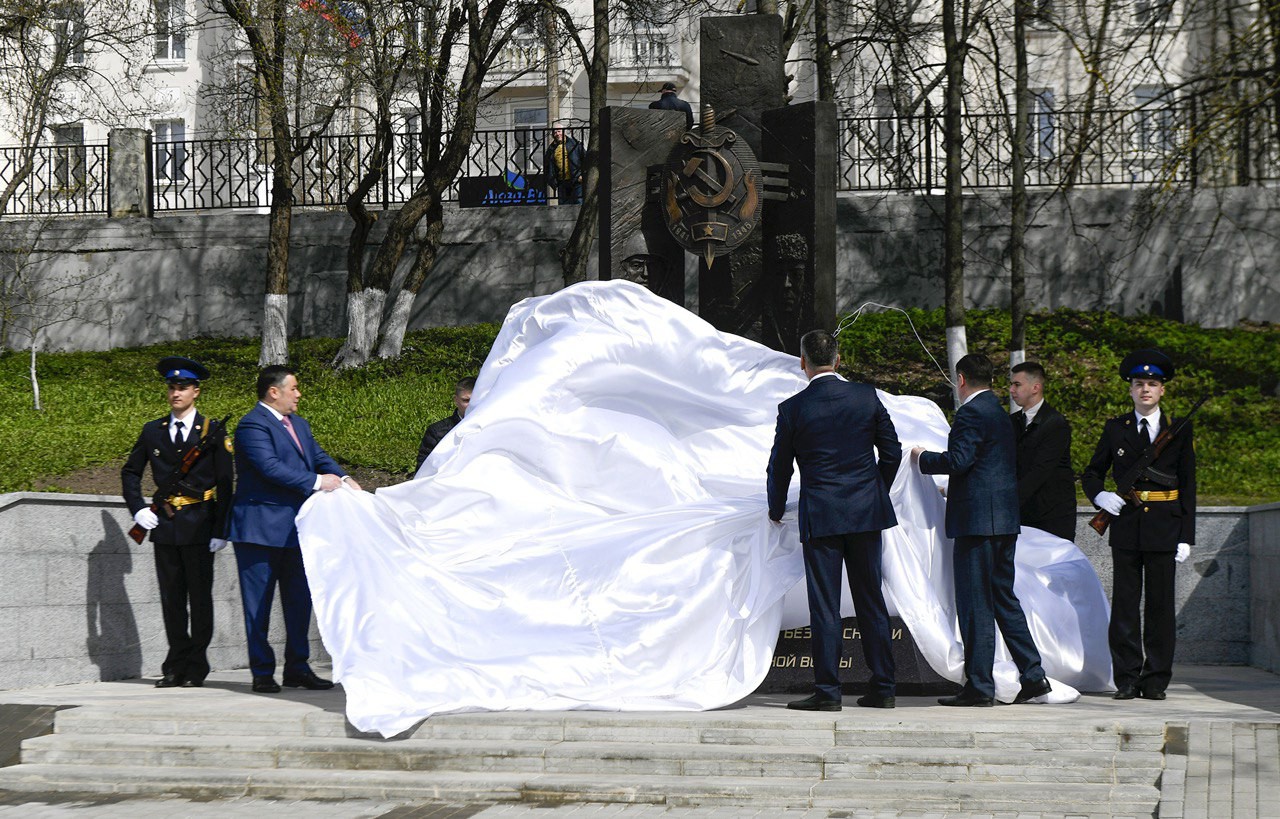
[[1094, 70], [275, 314], [822, 55], [953, 242], [577, 251], [35, 382], [397, 324], [1018, 220]]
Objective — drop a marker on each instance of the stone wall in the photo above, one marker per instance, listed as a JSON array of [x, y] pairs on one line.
[[1205, 259], [1264, 584], [79, 601]]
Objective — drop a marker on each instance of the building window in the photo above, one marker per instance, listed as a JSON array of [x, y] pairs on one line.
[[171, 40], [886, 119], [1153, 118], [70, 32], [531, 132], [1041, 125], [69, 157], [1152, 12], [1041, 12], [171, 149]]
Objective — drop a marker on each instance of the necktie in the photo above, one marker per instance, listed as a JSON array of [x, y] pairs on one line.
[[178, 437], [289, 426], [1022, 420], [1145, 431]]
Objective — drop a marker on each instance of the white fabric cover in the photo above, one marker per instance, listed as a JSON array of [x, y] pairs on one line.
[[594, 534]]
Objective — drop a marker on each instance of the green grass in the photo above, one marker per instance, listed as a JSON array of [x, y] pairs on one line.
[[94, 403], [373, 417], [1237, 432]]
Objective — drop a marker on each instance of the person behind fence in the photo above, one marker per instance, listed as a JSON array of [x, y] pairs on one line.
[[563, 164], [1046, 482], [278, 466], [848, 452], [669, 100], [436, 432], [1153, 528], [982, 521], [187, 518]]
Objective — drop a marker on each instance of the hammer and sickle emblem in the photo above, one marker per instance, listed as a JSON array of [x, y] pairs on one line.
[[711, 173]]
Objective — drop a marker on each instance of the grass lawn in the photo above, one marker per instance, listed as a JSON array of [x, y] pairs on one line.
[[371, 419]]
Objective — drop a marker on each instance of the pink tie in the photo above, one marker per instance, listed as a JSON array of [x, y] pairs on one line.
[[289, 426]]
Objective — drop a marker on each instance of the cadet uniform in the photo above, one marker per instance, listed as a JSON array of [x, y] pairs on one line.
[[1147, 536], [183, 545]]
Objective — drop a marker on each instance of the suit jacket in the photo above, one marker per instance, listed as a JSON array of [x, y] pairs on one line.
[[830, 428], [274, 478], [1046, 483], [1157, 526], [671, 102], [199, 522], [981, 458], [435, 434]]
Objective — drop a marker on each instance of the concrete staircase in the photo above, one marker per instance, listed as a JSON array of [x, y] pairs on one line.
[[855, 759]]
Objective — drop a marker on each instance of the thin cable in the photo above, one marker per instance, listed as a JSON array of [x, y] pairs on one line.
[[852, 318]]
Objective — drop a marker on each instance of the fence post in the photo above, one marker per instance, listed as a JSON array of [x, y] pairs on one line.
[[128, 172], [927, 178]]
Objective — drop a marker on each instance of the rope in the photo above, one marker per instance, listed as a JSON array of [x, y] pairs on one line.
[[852, 319]]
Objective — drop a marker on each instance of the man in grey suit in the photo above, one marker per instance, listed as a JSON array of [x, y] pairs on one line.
[[833, 429], [982, 519]]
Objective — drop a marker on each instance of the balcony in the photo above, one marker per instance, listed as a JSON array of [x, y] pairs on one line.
[[645, 55]]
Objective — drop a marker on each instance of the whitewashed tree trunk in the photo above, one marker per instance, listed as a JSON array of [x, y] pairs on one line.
[[957, 348], [364, 315], [396, 326], [35, 382], [1016, 357], [275, 330]]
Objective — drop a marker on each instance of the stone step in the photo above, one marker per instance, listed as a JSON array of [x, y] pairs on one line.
[[605, 758], [854, 731], [756, 792]]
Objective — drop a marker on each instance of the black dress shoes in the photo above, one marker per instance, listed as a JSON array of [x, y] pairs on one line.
[[265, 685], [815, 703], [193, 683], [1125, 692], [169, 681], [967, 699], [1031, 690], [1149, 694], [309, 681], [877, 701]]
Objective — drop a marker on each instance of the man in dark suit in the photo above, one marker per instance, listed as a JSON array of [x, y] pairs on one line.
[[436, 432], [184, 544], [1153, 529], [982, 519], [669, 100], [833, 429], [278, 466], [1046, 484]]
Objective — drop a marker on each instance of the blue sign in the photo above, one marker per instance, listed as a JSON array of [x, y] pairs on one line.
[[509, 190]]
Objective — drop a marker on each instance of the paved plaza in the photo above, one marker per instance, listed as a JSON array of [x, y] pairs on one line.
[[1222, 751]]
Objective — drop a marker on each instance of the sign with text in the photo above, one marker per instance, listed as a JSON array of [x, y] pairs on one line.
[[508, 190]]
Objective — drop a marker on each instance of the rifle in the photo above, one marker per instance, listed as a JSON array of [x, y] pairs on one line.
[[175, 483], [1124, 486]]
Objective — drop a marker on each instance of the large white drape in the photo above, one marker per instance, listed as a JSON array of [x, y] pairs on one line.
[[594, 534]]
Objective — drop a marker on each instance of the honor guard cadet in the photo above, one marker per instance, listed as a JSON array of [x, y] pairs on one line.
[[1153, 463], [190, 460]]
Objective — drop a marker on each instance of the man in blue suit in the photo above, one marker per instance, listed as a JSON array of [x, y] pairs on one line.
[[982, 519], [833, 429], [278, 466]]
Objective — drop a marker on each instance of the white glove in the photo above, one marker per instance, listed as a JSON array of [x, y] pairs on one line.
[[1109, 501], [145, 518], [1184, 551], [217, 543]]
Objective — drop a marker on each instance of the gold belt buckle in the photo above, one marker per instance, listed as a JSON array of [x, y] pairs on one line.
[[1144, 495]]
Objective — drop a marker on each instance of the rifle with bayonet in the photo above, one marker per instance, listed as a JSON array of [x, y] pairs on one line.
[[1145, 471], [175, 483]]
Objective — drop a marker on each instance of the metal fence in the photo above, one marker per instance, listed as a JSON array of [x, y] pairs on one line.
[[63, 179], [1167, 145], [236, 173]]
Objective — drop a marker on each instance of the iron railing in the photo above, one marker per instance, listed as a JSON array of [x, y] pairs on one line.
[[63, 179], [236, 173], [1168, 145]]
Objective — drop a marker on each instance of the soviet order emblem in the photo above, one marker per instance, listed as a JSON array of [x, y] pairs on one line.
[[711, 190]]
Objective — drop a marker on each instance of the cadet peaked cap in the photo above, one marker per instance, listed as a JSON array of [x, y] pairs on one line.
[[1146, 364], [177, 368]]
